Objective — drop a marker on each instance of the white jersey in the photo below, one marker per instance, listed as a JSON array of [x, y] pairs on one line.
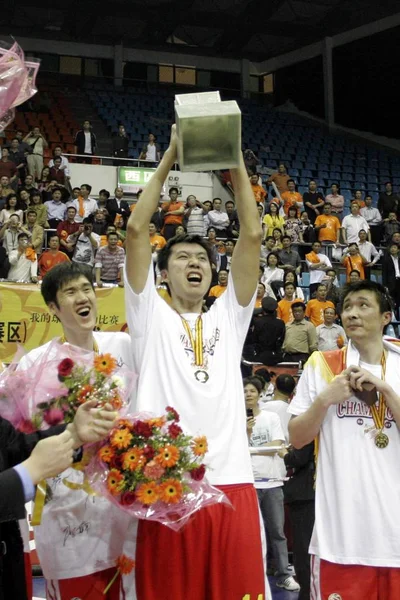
[[267, 428], [163, 358], [81, 534], [357, 519]]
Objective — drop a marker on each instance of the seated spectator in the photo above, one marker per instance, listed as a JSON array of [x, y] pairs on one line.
[[224, 259], [258, 190], [272, 272], [43, 184], [65, 228], [316, 306], [194, 216], [36, 232], [293, 226], [358, 197], [151, 151], [264, 429], [84, 204], [272, 220], [234, 225], [390, 226], [57, 173], [267, 246], [157, 241], [353, 260], [336, 200], [4, 263], [58, 153], [317, 264], [85, 243], [29, 184], [374, 220], [300, 335], [313, 201], [11, 207], [8, 168], [391, 273], [284, 305], [277, 235], [388, 201], [354, 276], [173, 211], [102, 200], [292, 198], [51, 257], [25, 199], [109, 263], [289, 277], [5, 190], [333, 293], [284, 387], [328, 226], [99, 222], [9, 233], [217, 290], [288, 257], [219, 219], [330, 336], [280, 179], [23, 261], [309, 234], [268, 333], [118, 206], [121, 233], [352, 224], [261, 292], [55, 209]]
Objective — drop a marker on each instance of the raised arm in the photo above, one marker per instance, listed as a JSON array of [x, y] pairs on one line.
[[246, 257], [138, 248]]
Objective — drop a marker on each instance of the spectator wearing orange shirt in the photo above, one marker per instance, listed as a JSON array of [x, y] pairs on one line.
[[217, 290], [173, 213], [280, 179], [292, 198], [315, 308], [157, 241], [353, 260], [328, 226], [258, 190], [51, 257], [358, 198], [285, 305]]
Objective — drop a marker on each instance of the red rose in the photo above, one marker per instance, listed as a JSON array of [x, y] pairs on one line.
[[198, 474], [25, 426], [65, 368], [172, 415], [148, 452], [143, 429], [128, 498], [174, 430], [116, 462], [53, 416]]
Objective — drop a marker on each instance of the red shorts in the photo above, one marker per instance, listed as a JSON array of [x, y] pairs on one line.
[[331, 581], [28, 575], [216, 556], [90, 587]]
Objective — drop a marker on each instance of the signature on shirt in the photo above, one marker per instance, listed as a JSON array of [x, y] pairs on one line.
[[71, 532]]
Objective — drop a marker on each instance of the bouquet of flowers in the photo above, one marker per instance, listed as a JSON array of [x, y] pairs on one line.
[[38, 394], [149, 467]]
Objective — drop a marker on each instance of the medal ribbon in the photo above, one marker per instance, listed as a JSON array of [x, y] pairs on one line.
[[378, 412], [197, 341]]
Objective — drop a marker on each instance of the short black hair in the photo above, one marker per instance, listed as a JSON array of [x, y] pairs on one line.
[[164, 254], [270, 237], [56, 189], [291, 181], [255, 381], [60, 275], [285, 237], [87, 186], [105, 193], [171, 189], [31, 212], [69, 207], [7, 202], [227, 202], [298, 304], [273, 254], [22, 235], [355, 271], [322, 284], [289, 283], [285, 383], [384, 300], [52, 235]]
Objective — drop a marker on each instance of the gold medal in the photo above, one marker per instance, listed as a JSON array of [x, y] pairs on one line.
[[381, 440]]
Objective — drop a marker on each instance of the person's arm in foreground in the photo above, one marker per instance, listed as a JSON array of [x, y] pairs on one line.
[[246, 256], [138, 248]]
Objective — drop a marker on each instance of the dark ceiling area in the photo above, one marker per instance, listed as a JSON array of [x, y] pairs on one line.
[[252, 29]]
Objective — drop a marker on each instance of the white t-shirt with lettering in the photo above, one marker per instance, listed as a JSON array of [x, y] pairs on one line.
[[163, 358], [357, 518], [267, 428], [81, 534]]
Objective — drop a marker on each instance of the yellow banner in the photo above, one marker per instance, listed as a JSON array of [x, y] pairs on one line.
[[25, 319]]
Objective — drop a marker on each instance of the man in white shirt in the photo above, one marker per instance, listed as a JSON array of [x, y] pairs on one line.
[[374, 220], [348, 400], [55, 209], [318, 264], [151, 151], [64, 161], [368, 251], [23, 261], [284, 387], [330, 335], [219, 219], [181, 357], [85, 206], [352, 224]]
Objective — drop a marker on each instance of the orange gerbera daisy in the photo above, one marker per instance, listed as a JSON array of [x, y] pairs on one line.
[[133, 458], [116, 402], [125, 564], [171, 491], [124, 423], [106, 454], [148, 493], [105, 363], [157, 422], [121, 438], [168, 456], [200, 446], [115, 481], [85, 393]]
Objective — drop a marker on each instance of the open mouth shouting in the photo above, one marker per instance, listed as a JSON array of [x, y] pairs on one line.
[[194, 278]]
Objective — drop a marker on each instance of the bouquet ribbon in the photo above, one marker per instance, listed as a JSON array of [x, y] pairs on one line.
[[40, 501]]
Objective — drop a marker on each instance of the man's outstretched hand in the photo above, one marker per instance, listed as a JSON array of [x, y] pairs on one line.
[[91, 423]]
